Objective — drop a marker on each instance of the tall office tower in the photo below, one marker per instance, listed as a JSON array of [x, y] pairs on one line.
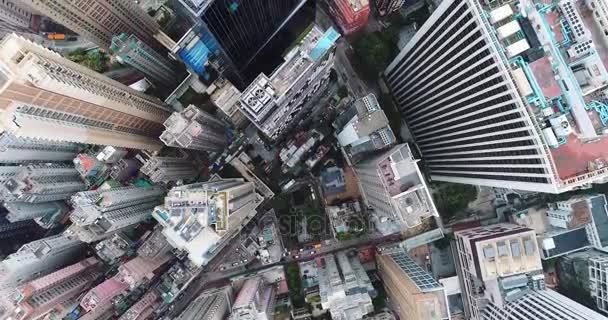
[[42, 183], [393, 186], [351, 15], [344, 287], [198, 218], [14, 17], [99, 21], [502, 277], [213, 304], [255, 300], [39, 297], [132, 51], [386, 7], [278, 102], [46, 214], [144, 307], [98, 301], [35, 259], [15, 149], [101, 213], [225, 97], [477, 87], [166, 169], [195, 129], [240, 30], [364, 127], [7, 172], [44, 96], [415, 293]]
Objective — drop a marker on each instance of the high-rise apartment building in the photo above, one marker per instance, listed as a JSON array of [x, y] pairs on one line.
[[239, 30], [195, 129], [46, 214], [502, 278], [225, 96], [364, 127], [415, 293], [198, 218], [101, 213], [213, 304], [344, 287], [144, 307], [277, 102], [98, 21], [25, 150], [386, 7], [39, 297], [598, 280], [132, 51], [165, 169], [351, 15], [255, 300], [14, 17], [393, 186], [32, 260], [97, 303], [42, 183], [477, 86], [44, 96]]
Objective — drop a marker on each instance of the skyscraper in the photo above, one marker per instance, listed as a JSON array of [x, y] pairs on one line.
[[221, 208], [386, 7], [130, 50], [101, 213], [35, 259], [410, 288], [277, 102], [15, 149], [195, 129], [255, 300], [98, 21], [144, 307], [165, 169], [240, 29], [502, 277], [477, 88], [42, 183], [46, 214], [213, 304], [344, 287], [393, 186], [44, 96], [14, 17], [40, 296]]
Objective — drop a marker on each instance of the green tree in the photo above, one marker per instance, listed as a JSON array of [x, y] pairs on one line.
[[342, 92], [452, 198], [373, 53], [294, 282]]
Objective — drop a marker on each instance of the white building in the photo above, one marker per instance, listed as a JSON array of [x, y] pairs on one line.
[[364, 127], [45, 96], [276, 102], [214, 304], [394, 188], [225, 97], [24, 150], [42, 183], [502, 277], [255, 300], [199, 218], [195, 129], [345, 289], [482, 109], [101, 213], [166, 169]]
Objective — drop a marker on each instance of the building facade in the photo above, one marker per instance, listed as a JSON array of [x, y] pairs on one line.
[[214, 304], [351, 15], [15, 149], [386, 7], [277, 102], [39, 297], [255, 300], [195, 129], [345, 289], [165, 169], [44, 96], [14, 17], [130, 50], [99, 21], [502, 277], [222, 206], [393, 186], [417, 295], [41, 183]]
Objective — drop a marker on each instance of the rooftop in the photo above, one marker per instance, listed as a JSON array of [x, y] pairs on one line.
[[561, 76]]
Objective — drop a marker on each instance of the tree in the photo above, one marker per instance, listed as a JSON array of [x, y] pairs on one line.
[[342, 92], [373, 54], [294, 282], [452, 198]]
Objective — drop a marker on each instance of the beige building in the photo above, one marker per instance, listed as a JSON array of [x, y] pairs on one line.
[[43, 95], [100, 20], [415, 293]]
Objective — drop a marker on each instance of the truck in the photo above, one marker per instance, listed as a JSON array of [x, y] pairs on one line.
[[56, 36]]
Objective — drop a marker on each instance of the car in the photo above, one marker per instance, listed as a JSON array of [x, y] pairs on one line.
[[312, 252], [296, 257], [301, 249]]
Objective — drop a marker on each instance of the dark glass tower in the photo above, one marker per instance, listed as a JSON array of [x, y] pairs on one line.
[[243, 28]]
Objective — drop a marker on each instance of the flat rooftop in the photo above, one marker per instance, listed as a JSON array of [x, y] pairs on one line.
[[565, 76]]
